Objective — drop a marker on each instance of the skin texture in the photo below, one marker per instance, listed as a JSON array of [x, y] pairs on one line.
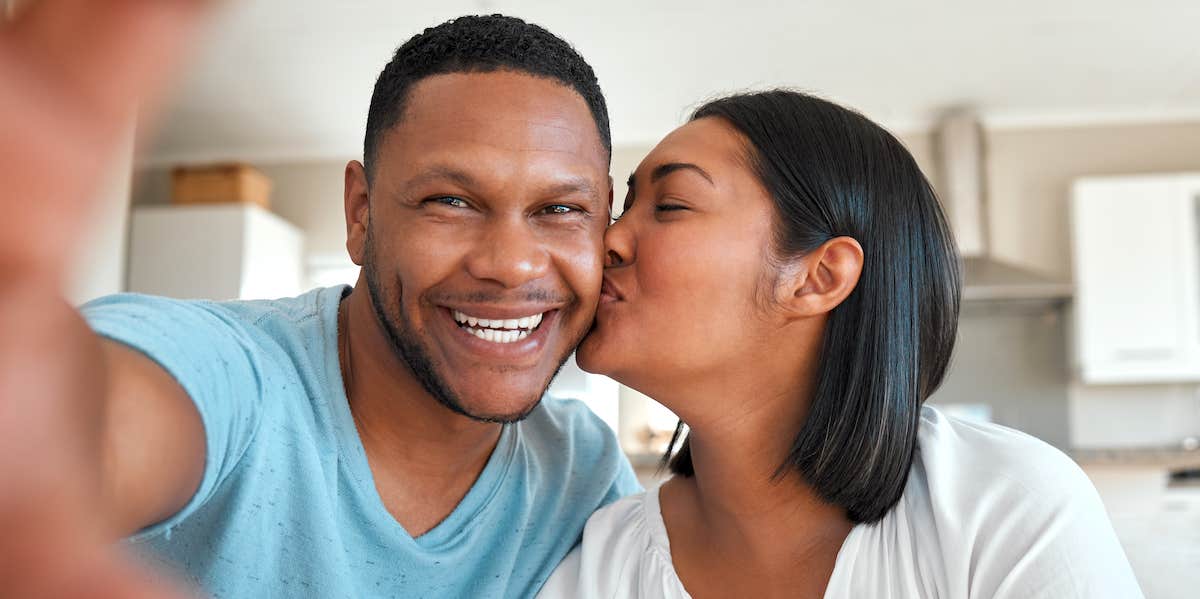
[[698, 313], [491, 197]]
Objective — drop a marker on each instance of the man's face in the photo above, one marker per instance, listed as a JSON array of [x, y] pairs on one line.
[[484, 236]]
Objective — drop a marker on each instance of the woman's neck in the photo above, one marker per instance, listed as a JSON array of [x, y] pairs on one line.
[[744, 518], [747, 500]]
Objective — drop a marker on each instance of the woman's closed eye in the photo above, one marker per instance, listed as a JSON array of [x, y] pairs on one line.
[[659, 209], [669, 210]]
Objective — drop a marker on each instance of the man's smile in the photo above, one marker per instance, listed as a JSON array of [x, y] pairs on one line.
[[513, 335]]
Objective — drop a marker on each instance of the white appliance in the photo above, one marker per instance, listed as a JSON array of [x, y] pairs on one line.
[[218, 252]]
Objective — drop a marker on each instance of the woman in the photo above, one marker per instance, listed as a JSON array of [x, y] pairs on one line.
[[783, 278]]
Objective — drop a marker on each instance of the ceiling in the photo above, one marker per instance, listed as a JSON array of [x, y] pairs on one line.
[[291, 79]]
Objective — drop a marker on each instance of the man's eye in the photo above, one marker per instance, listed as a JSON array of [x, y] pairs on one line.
[[559, 209], [450, 201]]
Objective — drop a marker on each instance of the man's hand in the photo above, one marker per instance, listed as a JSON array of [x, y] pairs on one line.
[[72, 75]]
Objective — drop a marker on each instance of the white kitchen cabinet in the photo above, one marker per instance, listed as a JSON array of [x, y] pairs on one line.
[[1137, 278], [218, 251]]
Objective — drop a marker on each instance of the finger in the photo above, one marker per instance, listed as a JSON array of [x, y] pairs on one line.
[[110, 53], [74, 73]]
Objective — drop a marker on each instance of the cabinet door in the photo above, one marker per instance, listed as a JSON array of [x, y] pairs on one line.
[[1135, 242]]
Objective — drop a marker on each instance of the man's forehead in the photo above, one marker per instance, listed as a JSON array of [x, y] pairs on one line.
[[505, 131], [499, 100]]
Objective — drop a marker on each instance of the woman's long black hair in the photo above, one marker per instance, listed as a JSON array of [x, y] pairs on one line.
[[832, 172]]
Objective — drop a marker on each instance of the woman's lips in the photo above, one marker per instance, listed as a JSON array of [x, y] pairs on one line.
[[609, 292]]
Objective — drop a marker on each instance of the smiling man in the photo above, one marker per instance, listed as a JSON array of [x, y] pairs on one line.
[[390, 439]]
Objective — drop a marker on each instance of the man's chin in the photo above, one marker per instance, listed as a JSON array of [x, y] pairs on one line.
[[511, 412]]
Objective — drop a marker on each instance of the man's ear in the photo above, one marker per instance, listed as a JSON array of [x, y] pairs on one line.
[[823, 279], [358, 210]]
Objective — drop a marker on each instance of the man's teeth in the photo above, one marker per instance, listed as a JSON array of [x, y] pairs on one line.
[[506, 330], [498, 336]]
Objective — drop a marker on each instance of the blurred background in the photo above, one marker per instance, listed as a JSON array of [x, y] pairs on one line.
[[1063, 137]]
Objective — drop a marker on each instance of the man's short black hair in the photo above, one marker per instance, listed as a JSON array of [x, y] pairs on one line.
[[479, 44]]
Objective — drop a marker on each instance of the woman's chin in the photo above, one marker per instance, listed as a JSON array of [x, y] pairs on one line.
[[594, 355]]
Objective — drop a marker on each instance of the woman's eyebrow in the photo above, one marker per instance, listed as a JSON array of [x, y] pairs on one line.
[[661, 171], [667, 168]]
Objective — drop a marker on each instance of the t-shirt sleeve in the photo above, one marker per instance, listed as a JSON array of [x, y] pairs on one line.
[[214, 357], [1053, 539]]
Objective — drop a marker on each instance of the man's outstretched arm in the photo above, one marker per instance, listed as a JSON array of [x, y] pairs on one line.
[[95, 439]]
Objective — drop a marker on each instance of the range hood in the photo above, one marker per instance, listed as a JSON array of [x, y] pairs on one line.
[[960, 152]]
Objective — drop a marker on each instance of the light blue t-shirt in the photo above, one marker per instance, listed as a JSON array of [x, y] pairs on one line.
[[288, 507]]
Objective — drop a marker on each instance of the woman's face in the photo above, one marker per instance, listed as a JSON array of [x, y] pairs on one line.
[[684, 295]]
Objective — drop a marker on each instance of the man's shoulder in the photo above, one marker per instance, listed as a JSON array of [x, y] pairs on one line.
[[566, 436], [110, 315], [563, 419], [284, 311]]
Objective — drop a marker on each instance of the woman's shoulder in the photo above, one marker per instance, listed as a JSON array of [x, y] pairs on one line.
[[625, 552], [981, 459], [981, 490]]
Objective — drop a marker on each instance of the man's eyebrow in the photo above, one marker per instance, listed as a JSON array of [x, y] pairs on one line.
[[571, 186], [441, 172]]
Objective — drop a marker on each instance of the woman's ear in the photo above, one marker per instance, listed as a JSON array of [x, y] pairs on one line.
[[821, 280]]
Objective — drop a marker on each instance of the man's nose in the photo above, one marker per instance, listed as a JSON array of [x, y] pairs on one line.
[[510, 254]]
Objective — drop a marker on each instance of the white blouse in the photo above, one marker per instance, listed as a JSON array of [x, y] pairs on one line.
[[987, 512]]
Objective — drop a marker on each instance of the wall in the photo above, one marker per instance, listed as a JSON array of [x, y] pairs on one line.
[[1031, 169]]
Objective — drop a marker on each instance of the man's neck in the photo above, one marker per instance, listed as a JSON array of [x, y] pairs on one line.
[[423, 456]]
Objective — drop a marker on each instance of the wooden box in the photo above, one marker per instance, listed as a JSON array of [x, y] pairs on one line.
[[220, 184]]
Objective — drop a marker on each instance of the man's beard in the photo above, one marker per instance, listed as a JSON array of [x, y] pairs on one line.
[[408, 348]]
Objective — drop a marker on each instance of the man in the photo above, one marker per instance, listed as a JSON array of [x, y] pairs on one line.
[[384, 440]]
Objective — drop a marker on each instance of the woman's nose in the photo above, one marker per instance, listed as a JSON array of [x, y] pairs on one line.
[[619, 245], [613, 259]]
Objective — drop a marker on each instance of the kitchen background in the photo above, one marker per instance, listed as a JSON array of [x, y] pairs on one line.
[[1064, 138]]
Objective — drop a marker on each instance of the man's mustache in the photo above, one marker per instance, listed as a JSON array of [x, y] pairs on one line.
[[531, 296]]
